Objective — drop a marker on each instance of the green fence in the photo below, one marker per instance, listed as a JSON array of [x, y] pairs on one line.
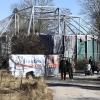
[[88, 48]]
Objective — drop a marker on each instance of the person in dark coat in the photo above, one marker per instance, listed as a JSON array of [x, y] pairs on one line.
[[70, 70], [63, 69], [92, 63], [90, 60], [93, 66]]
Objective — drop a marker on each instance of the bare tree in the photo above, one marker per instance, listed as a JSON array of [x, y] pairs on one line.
[[92, 9]]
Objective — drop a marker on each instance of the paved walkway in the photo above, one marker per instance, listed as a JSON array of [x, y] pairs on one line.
[[81, 88], [74, 93]]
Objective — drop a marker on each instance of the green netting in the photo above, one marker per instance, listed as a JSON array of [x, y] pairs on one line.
[[89, 49], [80, 49]]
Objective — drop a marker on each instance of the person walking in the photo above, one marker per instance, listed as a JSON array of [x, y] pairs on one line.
[[70, 69], [63, 69], [73, 66], [88, 69], [90, 60], [93, 66], [92, 63]]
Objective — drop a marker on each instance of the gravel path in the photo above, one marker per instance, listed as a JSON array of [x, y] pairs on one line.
[[74, 93], [81, 88]]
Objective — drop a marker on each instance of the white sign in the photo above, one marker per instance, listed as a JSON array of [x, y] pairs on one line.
[[21, 64], [52, 65]]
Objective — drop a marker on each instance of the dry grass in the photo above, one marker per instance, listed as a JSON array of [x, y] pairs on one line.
[[12, 88]]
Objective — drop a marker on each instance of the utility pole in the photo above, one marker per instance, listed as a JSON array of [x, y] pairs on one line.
[[93, 46], [63, 44], [75, 47], [86, 46], [15, 11], [63, 37]]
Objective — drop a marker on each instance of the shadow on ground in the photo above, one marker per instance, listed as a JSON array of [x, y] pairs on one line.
[[87, 98], [73, 85], [88, 79]]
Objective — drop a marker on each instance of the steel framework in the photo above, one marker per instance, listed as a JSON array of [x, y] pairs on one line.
[[52, 19]]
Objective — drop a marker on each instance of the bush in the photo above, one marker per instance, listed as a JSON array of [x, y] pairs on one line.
[[80, 64], [12, 88]]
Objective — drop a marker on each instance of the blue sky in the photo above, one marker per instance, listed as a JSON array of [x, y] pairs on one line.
[[5, 6], [71, 4]]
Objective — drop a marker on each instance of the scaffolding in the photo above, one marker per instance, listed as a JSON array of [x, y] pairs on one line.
[[44, 20]]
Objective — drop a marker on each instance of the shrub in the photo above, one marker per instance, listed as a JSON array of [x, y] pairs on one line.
[[80, 64]]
